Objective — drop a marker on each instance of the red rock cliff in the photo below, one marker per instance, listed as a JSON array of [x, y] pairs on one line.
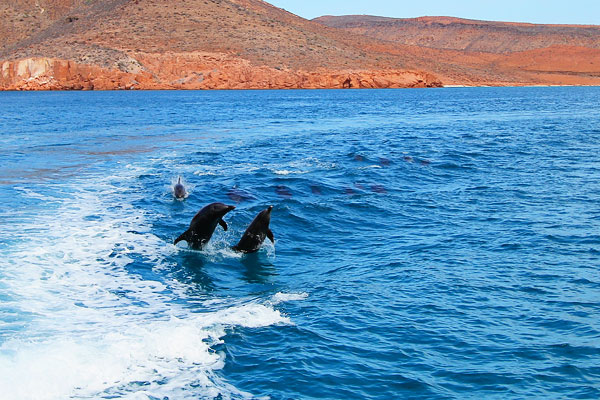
[[194, 71]]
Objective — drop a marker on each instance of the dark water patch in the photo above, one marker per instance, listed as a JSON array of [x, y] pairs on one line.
[[492, 381], [574, 352], [238, 195], [452, 166], [189, 267], [585, 281], [377, 188], [283, 191], [384, 161]]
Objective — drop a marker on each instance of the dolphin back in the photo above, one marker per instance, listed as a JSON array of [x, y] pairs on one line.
[[203, 225], [255, 234]]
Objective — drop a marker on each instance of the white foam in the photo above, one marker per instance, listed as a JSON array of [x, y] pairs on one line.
[[167, 356], [285, 297], [288, 172], [371, 166], [205, 173], [219, 248], [300, 167], [93, 328], [247, 315], [34, 195]]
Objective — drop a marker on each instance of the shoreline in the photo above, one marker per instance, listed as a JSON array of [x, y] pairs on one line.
[[203, 71], [290, 89]]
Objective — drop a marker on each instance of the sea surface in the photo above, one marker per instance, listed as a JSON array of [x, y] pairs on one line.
[[429, 244]]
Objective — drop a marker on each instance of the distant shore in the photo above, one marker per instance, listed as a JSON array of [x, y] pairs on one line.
[[194, 72]]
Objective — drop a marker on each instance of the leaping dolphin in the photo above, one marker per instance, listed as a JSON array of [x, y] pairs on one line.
[[256, 233], [204, 224]]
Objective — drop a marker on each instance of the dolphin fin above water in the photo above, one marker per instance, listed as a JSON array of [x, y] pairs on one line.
[[179, 190], [223, 224], [270, 236], [184, 236]]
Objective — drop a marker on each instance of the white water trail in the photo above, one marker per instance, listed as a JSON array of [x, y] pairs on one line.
[[90, 328]]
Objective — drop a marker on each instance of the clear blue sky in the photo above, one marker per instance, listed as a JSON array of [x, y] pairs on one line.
[[535, 11]]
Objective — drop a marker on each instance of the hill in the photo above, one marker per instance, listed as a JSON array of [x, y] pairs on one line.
[[449, 33], [250, 44], [185, 44], [523, 53]]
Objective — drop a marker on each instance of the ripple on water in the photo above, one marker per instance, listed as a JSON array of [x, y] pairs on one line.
[[419, 254]]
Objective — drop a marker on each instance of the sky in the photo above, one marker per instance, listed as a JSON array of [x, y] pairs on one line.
[[534, 11]]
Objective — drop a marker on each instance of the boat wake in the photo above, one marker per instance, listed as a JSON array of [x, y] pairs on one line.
[[88, 326]]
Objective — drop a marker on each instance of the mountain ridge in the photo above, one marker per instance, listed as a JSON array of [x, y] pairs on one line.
[[450, 33], [529, 53]]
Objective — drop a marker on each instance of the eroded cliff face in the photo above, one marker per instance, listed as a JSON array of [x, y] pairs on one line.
[[52, 74], [198, 70]]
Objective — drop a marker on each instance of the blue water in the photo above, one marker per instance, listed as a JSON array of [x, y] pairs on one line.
[[430, 244]]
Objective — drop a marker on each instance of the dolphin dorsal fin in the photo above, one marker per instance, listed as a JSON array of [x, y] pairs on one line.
[[179, 180]]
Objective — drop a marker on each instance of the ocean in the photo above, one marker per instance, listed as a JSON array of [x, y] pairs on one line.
[[429, 244]]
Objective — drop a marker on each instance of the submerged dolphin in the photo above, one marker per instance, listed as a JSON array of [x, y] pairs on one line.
[[255, 234], [283, 191], [204, 224], [179, 190], [238, 195]]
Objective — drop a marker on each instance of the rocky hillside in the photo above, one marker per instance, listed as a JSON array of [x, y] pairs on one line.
[[466, 35], [186, 44], [22, 19], [468, 52], [227, 44]]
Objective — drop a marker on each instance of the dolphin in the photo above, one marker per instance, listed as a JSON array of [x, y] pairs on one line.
[[377, 188], [238, 195], [204, 224], [283, 191], [179, 190], [384, 161], [255, 234]]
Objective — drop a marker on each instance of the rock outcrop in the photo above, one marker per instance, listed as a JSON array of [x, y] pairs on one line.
[[53, 74], [194, 71]]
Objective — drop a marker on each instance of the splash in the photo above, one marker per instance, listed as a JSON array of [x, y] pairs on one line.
[[94, 329]]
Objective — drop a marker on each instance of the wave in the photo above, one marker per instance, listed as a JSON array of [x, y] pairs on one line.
[[90, 326]]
